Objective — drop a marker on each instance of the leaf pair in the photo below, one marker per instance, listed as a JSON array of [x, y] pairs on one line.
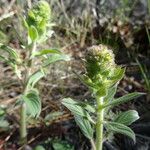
[[119, 125]]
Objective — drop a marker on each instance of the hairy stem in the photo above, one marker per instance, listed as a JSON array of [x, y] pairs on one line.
[[23, 132], [99, 124], [23, 128]]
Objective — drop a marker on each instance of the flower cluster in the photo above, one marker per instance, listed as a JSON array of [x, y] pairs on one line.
[[39, 17], [101, 70]]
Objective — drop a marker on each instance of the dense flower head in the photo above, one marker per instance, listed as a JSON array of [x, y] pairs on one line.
[[101, 70], [99, 61], [39, 16]]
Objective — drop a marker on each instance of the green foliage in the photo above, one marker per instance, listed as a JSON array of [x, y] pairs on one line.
[[33, 103], [55, 58], [79, 109], [4, 125], [34, 78], [127, 117], [33, 33], [13, 56], [123, 99], [38, 25], [73, 107], [111, 93], [120, 128], [102, 76], [46, 51], [38, 20], [61, 145], [101, 70], [85, 126], [39, 147]]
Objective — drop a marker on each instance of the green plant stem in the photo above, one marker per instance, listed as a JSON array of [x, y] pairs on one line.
[[99, 124], [23, 132], [23, 128]]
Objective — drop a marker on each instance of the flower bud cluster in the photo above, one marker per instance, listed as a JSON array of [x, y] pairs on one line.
[[39, 16], [101, 70]]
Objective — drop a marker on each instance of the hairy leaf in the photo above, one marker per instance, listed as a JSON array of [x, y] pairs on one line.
[[73, 107], [127, 117], [123, 99], [54, 58], [12, 53], [87, 106], [85, 126], [118, 74], [110, 94], [33, 103], [77, 108], [120, 128], [34, 78]]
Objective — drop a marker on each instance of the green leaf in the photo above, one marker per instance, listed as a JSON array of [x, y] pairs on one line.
[[127, 117], [12, 53], [58, 144], [4, 125], [12, 63], [102, 91], [85, 126], [33, 103], [111, 93], [123, 99], [34, 78], [54, 58], [120, 128], [118, 74], [78, 108], [47, 51], [87, 106], [39, 147], [33, 34], [73, 106]]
